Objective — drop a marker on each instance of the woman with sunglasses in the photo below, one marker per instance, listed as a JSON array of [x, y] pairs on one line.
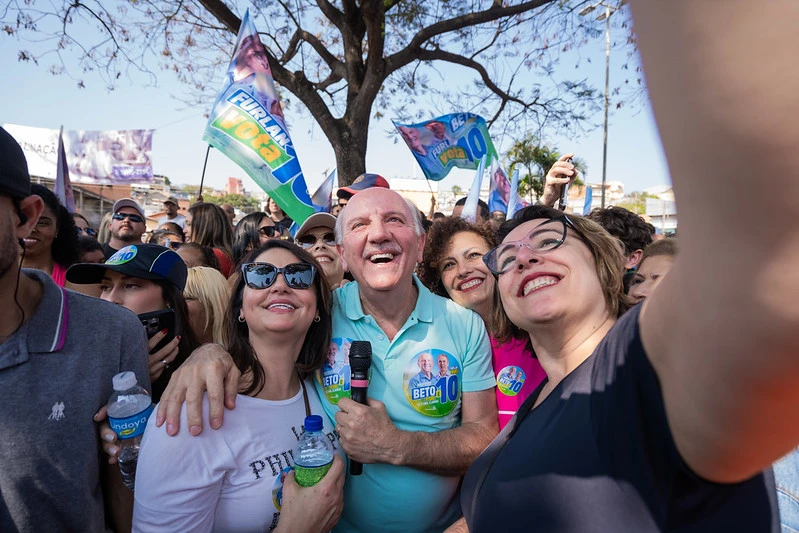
[[82, 225], [452, 266], [317, 235], [234, 479], [52, 246], [251, 232]]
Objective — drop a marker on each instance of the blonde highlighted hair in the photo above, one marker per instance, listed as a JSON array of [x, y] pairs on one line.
[[209, 287]]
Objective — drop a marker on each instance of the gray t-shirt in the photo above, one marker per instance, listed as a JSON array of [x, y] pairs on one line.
[[55, 374]]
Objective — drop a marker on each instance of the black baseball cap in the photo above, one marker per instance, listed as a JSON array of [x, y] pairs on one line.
[[145, 261], [15, 180]]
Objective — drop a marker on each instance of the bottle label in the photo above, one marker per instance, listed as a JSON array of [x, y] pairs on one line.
[[307, 476], [132, 426]]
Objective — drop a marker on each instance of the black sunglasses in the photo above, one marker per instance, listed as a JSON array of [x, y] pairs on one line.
[[309, 241], [123, 216], [268, 231], [263, 275], [88, 231]]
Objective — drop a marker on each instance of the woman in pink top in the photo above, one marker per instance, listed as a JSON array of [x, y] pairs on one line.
[[453, 267], [52, 246]]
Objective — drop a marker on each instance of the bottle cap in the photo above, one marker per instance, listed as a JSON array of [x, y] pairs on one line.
[[124, 381], [313, 423]]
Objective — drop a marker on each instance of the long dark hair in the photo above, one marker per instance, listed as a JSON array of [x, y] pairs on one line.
[[246, 236], [317, 338], [173, 297], [211, 227], [64, 249]]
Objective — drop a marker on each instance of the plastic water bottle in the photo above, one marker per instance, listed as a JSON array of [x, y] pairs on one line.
[[313, 454], [128, 410]]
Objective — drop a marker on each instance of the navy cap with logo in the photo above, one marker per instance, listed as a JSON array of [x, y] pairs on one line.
[[15, 181], [144, 261]]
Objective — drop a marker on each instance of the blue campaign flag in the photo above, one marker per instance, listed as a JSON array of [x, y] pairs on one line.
[[470, 207], [454, 140], [589, 197], [323, 197]]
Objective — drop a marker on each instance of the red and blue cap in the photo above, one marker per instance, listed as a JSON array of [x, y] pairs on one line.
[[363, 182]]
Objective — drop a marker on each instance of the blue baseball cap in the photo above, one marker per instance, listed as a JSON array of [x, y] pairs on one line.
[[145, 261]]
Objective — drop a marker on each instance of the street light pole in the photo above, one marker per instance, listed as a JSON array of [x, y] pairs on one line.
[[607, 102]]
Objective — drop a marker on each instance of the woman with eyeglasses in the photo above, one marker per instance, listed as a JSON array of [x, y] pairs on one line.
[[452, 266], [238, 478], [251, 232], [599, 446], [52, 246]]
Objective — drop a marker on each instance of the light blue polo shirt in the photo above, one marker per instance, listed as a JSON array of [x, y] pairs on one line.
[[391, 498]]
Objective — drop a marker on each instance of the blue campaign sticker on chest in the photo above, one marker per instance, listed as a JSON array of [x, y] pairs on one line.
[[510, 380], [334, 376], [432, 382]]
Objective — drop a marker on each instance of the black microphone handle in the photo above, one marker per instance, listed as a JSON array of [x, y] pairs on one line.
[[358, 394]]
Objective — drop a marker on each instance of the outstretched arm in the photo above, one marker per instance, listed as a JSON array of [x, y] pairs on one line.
[[722, 331]]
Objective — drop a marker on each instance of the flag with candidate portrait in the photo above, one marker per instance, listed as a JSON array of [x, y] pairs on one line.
[[456, 140], [323, 197], [247, 125], [499, 191]]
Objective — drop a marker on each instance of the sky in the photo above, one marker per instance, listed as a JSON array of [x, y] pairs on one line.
[[34, 97]]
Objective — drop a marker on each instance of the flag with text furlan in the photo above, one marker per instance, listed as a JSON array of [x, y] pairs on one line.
[[247, 125]]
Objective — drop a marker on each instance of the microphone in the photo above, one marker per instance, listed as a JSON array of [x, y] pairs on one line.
[[360, 362]]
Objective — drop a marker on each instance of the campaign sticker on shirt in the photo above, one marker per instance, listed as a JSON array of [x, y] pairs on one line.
[[432, 382], [334, 376], [277, 489], [510, 380]]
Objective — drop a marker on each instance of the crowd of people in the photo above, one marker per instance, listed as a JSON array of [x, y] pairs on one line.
[[552, 372]]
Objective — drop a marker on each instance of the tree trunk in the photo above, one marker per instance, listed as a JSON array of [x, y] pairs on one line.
[[350, 149]]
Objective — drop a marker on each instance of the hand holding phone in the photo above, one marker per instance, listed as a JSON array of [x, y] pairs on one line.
[[163, 319]]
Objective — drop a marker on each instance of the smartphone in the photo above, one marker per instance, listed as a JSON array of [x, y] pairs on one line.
[[157, 321], [564, 195]]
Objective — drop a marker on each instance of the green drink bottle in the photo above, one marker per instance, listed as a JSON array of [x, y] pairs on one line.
[[313, 454]]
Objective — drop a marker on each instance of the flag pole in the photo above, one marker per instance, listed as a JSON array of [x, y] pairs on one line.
[[202, 178]]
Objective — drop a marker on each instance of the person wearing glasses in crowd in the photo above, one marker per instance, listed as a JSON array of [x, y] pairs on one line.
[[52, 246], [414, 440], [452, 266], [317, 235], [279, 328], [171, 214], [251, 232], [128, 224], [166, 238], [82, 225]]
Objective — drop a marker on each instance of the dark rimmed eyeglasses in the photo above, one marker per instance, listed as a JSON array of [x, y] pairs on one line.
[[132, 217], [543, 239], [268, 231], [263, 275], [309, 241], [91, 232]]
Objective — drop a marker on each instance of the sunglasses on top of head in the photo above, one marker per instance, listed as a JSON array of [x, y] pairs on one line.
[[263, 275], [88, 231], [309, 241], [132, 217]]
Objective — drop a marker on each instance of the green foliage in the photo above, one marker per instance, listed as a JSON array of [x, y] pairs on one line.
[[236, 200], [533, 159], [635, 202]]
